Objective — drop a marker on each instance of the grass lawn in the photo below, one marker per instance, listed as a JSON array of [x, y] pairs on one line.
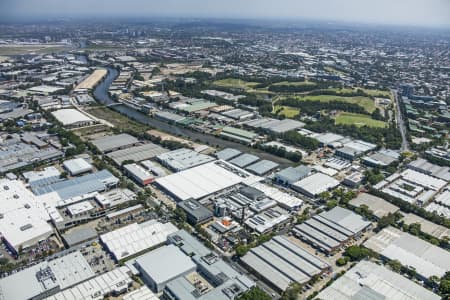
[[359, 120], [378, 93], [235, 83], [365, 102], [300, 83], [32, 49], [288, 112], [118, 120]]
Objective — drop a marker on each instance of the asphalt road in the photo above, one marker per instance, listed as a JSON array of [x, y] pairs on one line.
[[401, 122]]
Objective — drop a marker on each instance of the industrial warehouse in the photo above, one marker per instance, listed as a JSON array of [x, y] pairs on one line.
[[136, 153], [331, 230], [134, 238], [204, 180], [367, 280], [46, 278], [280, 262], [181, 159], [115, 142], [426, 259]]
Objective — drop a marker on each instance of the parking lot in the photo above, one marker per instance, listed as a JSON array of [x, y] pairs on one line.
[[99, 260]]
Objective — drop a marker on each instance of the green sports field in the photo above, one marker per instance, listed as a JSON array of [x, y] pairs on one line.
[[359, 120]]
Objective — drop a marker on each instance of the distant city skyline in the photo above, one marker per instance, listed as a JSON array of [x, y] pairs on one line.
[[421, 13]]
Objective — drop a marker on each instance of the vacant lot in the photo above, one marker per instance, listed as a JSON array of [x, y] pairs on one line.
[[288, 112], [378, 93], [295, 83], [235, 83], [31, 49], [365, 102], [118, 120], [359, 120]]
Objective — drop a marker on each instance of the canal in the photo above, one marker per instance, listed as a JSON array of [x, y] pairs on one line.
[[101, 95]]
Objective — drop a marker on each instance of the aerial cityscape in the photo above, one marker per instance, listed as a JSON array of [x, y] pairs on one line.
[[240, 150]]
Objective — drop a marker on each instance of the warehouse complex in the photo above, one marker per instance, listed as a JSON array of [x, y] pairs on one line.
[[114, 282], [136, 153], [183, 159], [24, 217], [331, 230], [368, 280], [204, 180], [77, 166], [213, 278], [78, 186], [72, 118], [426, 259], [46, 278], [228, 153], [134, 238], [115, 142], [314, 185], [163, 265], [280, 262], [411, 186], [275, 125]]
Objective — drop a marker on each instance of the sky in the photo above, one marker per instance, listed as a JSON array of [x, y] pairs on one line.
[[421, 13]]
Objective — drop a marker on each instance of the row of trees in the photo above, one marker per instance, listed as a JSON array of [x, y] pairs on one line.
[[312, 107], [281, 152], [410, 208], [296, 139], [389, 137]]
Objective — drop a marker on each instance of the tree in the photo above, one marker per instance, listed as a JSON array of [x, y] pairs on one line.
[[180, 215], [414, 228], [292, 292], [373, 176], [331, 203], [356, 253], [341, 262], [444, 286], [386, 221], [241, 250], [255, 293], [395, 265]]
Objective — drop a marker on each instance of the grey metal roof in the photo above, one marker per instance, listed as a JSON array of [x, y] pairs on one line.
[[165, 263], [346, 219], [322, 240], [80, 185], [368, 280], [244, 160], [79, 235], [195, 209], [228, 153], [262, 167], [292, 174], [266, 271], [280, 262], [137, 153], [182, 159], [112, 142]]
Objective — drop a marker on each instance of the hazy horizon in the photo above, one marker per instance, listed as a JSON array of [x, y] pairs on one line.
[[418, 13]]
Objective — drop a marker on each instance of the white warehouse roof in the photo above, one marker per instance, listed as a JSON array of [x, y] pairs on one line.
[[134, 238], [205, 180], [77, 166], [24, 218], [70, 116], [427, 259], [316, 184], [368, 280]]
